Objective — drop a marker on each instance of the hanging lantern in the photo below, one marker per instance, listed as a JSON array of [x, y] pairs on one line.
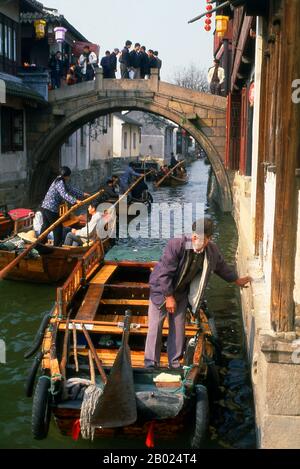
[[60, 34], [39, 26], [208, 21], [221, 25], [207, 27]]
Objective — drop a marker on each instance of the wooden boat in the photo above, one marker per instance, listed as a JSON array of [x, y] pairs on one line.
[[54, 263], [95, 298], [175, 180]]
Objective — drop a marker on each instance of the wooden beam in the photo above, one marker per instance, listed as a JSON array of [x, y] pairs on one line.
[[288, 145]]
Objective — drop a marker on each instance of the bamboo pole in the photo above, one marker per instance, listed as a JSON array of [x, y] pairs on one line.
[[168, 174], [92, 368], [93, 350], [16, 261], [75, 347]]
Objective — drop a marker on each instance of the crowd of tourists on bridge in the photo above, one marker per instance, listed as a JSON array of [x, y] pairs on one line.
[[135, 62]]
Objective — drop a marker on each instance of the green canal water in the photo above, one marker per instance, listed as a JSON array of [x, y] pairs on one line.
[[23, 305]]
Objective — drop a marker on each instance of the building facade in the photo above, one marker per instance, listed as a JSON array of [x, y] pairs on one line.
[[263, 160]]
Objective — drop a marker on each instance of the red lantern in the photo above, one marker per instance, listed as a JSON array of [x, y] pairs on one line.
[[207, 21], [208, 15], [209, 7], [207, 27]]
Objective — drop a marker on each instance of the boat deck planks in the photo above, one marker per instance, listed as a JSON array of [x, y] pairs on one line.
[[91, 302]]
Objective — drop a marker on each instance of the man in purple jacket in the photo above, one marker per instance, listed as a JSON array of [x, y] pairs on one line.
[[179, 279]]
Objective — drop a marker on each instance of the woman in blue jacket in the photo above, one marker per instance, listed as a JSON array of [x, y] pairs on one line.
[[58, 193]]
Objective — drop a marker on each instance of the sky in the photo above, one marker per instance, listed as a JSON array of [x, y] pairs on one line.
[[158, 24]]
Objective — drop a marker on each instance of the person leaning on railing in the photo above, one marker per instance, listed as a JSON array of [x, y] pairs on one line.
[[60, 191]]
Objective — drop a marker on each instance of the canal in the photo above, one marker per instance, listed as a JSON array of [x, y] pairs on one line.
[[22, 307]]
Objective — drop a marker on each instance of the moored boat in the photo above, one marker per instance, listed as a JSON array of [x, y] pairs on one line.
[[101, 309], [47, 264]]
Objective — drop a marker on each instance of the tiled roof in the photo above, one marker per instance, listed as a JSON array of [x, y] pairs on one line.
[[127, 120], [50, 16], [15, 87]]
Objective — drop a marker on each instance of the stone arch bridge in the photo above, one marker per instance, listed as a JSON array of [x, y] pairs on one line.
[[201, 115]]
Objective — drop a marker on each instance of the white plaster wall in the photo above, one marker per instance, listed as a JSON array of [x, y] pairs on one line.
[[130, 151], [117, 137], [75, 155], [256, 114], [297, 261], [102, 147], [270, 189], [157, 143]]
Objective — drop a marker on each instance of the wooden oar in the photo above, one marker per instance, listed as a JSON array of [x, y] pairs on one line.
[[130, 189], [168, 174], [42, 236], [117, 406]]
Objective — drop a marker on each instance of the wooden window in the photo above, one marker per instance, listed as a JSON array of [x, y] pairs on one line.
[[125, 140], [134, 141], [140, 135], [9, 33], [12, 129]]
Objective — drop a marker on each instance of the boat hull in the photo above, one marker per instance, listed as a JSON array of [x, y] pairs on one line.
[[174, 181]]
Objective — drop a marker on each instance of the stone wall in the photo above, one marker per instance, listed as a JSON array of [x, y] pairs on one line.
[[274, 357]]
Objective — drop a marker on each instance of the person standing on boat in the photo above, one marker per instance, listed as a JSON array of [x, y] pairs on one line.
[[127, 178], [179, 279], [173, 161], [59, 192]]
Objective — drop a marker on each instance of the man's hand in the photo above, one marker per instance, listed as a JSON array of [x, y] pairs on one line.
[[242, 282], [74, 231], [170, 304], [86, 194]]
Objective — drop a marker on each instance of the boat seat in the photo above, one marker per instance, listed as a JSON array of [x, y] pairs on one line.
[[103, 275], [129, 302]]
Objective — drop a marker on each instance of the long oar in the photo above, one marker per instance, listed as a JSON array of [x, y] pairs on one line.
[[168, 174], [130, 189], [117, 405], [16, 261]]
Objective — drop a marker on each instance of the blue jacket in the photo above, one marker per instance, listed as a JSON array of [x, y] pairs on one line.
[[58, 193], [127, 176]]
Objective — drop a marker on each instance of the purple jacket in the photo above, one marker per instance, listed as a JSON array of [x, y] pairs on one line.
[[167, 272]]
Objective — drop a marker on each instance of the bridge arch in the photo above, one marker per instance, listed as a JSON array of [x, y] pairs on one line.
[[82, 113]]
